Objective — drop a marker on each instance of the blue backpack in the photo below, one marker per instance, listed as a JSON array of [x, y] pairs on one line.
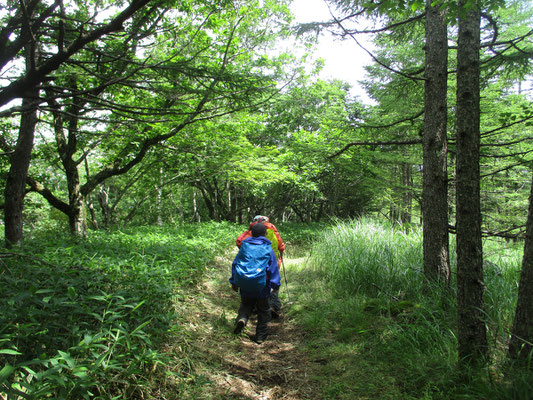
[[251, 266]]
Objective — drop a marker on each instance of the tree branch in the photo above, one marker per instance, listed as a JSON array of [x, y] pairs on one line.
[[391, 143], [34, 78], [48, 195]]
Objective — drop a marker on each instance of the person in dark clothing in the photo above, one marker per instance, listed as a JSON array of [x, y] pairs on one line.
[[256, 249]]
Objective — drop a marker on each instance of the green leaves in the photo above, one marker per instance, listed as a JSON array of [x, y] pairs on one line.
[[5, 372], [90, 317], [417, 5], [10, 352]]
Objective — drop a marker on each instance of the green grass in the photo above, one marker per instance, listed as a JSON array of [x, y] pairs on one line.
[[87, 318], [380, 333], [94, 318]]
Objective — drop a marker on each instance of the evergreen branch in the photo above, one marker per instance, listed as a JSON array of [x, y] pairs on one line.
[[526, 139], [522, 153], [388, 27], [391, 143], [389, 68], [495, 29], [505, 233], [410, 119], [388, 143], [500, 128], [511, 42], [483, 134], [506, 168]]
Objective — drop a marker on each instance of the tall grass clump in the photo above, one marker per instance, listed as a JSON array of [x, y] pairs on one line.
[[379, 310], [89, 318], [366, 256], [377, 314]]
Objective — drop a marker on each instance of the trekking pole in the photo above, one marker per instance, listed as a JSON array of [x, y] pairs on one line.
[[285, 276]]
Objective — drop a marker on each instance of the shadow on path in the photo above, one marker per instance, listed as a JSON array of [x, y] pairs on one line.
[[235, 366]]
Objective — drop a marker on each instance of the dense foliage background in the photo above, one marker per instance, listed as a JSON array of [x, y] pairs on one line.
[[139, 137]]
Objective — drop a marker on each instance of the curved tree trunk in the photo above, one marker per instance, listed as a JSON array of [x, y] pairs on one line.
[[18, 171], [66, 148], [20, 159]]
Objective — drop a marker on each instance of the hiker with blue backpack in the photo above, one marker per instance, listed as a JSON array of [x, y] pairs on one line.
[[255, 273], [277, 245]]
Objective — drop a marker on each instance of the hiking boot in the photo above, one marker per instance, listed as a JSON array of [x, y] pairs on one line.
[[275, 313], [260, 339], [239, 325]]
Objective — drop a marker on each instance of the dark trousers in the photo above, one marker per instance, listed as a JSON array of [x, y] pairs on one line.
[[275, 302], [263, 314]]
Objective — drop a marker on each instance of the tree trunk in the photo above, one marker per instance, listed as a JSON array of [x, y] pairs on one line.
[[66, 148], [18, 171], [472, 336], [92, 213], [520, 346], [159, 198], [407, 197], [208, 202], [103, 200], [181, 209], [20, 159], [232, 194], [196, 214], [435, 149], [88, 200], [77, 216]]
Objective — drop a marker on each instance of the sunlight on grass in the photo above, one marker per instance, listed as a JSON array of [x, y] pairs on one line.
[[88, 318], [377, 331]]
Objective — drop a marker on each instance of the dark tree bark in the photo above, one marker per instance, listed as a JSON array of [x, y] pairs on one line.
[[20, 159], [67, 147], [435, 149], [472, 336], [407, 181], [18, 171], [520, 346]]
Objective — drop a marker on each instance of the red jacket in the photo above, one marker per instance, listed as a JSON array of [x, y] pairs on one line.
[[248, 233]]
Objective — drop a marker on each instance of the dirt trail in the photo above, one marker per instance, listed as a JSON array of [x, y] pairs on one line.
[[235, 366]]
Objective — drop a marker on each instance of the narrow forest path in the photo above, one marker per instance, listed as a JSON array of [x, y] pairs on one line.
[[233, 366]]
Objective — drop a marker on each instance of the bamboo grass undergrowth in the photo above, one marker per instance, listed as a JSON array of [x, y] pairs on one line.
[[87, 319], [90, 319]]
